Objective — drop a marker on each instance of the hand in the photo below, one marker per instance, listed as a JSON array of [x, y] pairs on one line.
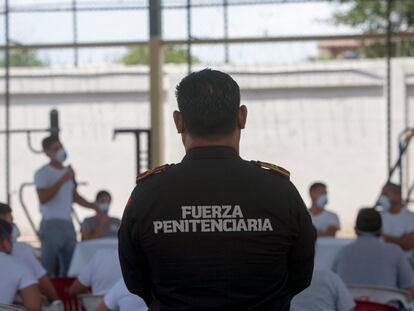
[[69, 175], [387, 238]]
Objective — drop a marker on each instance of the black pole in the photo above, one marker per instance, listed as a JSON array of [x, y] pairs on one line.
[[75, 32], [226, 30], [388, 101], [54, 122], [7, 96], [189, 60]]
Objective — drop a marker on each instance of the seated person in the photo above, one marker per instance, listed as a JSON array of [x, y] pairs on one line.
[[102, 225], [371, 261], [15, 277], [100, 273], [325, 222], [397, 220], [327, 292], [26, 255], [120, 299]]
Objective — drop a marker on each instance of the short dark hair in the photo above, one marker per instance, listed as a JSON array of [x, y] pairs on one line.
[[48, 141], [101, 193], [5, 209], [316, 186], [5, 230], [368, 220], [394, 187], [209, 101]]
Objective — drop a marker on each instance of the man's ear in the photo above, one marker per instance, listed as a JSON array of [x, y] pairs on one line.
[[242, 116], [179, 123]]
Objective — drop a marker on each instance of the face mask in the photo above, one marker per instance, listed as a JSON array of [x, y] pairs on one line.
[[384, 202], [322, 200], [15, 233], [104, 207], [60, 155]]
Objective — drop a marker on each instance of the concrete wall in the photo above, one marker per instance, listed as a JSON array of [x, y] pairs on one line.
[[322, 121]]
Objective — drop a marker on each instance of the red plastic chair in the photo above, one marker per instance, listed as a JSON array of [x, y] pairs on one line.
[[372, 306], [62, 286]]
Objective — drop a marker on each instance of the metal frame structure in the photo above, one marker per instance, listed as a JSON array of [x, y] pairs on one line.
[[156, 44]]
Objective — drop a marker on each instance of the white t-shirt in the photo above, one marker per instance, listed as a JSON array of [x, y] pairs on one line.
[[25, 254], [120, 299], [327, 292], [102, 271], [14, 276], [397, 225], [325, 219], [60, 206]]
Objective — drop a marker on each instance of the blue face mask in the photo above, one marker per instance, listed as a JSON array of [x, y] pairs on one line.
[[384, 202], [60, 155], [104, 207], [322, 200], [15, 233]]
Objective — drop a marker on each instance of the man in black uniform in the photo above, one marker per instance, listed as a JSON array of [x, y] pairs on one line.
[[215, 232]]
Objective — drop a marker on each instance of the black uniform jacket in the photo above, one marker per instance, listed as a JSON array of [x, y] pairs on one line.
[[216, 232]]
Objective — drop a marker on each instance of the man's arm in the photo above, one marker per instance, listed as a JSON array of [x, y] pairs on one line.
[[32, 300], [302, 252], [77, 198], [78, 288], [134, 264], [406, 242], [47, 289], [46, 194], [330, 232]]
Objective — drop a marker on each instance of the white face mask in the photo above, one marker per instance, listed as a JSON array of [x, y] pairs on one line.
[[384, 202], [322, 200], [15, 233], [60, 155]]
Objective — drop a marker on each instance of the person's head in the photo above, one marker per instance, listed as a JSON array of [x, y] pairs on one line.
[[390, 196], [368, 222], [209, 108], [53, 148], [103, 199], [319, 194], [6, 244], [6, 213]]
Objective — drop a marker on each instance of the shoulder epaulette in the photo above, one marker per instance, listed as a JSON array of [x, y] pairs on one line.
[[152, 171], [274, 168]]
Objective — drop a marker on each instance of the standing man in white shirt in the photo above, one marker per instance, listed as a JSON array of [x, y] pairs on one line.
[[15, 277], [325, 222], [397, 220], [56, 189]]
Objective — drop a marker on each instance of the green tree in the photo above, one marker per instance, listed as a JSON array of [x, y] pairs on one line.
[[370, 16], [140, 55], [25, 58]]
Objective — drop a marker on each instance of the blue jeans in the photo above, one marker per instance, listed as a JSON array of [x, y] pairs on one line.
[[58, 240]]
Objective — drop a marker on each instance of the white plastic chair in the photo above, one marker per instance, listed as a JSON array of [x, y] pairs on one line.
[[56, 305], [11, 308], [90, 302], [390, 296]]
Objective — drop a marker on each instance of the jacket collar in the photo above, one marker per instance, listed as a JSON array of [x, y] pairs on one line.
[[214, 152]]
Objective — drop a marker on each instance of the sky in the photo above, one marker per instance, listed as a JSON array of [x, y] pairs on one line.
[[257, 20]]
